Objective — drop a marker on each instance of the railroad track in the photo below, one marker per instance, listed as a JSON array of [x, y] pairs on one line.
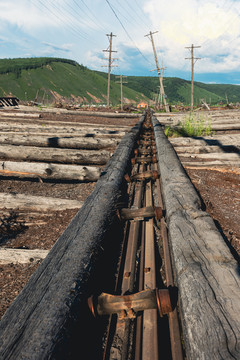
[[146, 296], [111, 285]]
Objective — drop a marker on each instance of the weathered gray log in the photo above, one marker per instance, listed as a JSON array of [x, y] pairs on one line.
[[70, 156], [77, 130], [224, 163], [52, 300], [49, 171], [21, 256], [214, 156], [217, 140], [58, 141], [206, 272], [19, 115], [32, 202], [206, 149]]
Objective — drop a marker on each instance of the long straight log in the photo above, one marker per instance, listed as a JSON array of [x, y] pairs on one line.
[[49, 171], [20, 256], [39, 322], [206, 272], [217, 140], [36, 203], [99, 157], [214, 156], [58, 141], [207, 149], [43, 128], [217, 163]]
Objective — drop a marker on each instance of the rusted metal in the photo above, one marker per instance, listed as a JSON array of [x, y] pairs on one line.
[[137, 214], [107, 304], [147, 175], [138, 276]]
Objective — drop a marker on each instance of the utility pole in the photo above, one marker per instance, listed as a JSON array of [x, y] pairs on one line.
[[193, 60], [110, 64], [121, 82], [159, 71]]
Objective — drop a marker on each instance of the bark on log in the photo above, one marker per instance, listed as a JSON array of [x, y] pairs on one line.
[[36, 203], [69, 142], [50, 171], [206, 272], [69, 156], [38, 324], [20, 256]]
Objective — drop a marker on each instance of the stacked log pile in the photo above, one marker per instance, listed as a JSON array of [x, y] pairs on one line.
[[31, 147], [217, 151]]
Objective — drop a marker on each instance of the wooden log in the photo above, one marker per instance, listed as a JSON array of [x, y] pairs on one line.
[[21, 256], [201, 166], [206, 272], [216, 156], [70, 142], [217, 163], [19, 115], [36, 203], [43, 128], [231, 139], [207, 149], [39, 322], [69, 156], [49, 171]]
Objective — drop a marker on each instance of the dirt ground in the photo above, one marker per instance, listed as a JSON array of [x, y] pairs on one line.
[[219, 191]]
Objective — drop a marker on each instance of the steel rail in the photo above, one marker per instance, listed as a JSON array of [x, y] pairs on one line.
[[133, 321]]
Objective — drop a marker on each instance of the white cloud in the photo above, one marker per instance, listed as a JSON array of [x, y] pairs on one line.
[[203, 23]]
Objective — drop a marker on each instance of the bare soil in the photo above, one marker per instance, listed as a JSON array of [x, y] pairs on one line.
[[220, 193]]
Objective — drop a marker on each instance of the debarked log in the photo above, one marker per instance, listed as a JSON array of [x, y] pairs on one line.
[[50, 171], [70, 156], [206, 272], [39, 323], [21, 256], [47, 128], [71, 142], [207, 149], [36, 203], [217, 140]]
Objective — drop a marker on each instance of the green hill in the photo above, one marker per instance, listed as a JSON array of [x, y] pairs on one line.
[[56, 79], [179, 90]]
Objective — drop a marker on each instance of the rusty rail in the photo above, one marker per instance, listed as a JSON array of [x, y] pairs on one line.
[[142, 296]]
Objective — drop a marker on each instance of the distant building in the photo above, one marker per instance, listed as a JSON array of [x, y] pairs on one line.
[[142, 105]]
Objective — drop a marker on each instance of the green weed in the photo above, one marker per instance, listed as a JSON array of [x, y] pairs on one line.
[[192, 125]]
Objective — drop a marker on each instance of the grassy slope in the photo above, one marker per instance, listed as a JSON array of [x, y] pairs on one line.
[[25, 77], [63, 78], [179, 90]]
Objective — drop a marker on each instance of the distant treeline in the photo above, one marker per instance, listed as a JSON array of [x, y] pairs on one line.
[[17, 65]]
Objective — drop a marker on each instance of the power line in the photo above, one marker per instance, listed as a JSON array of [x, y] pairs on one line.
[[126, 31], [74, 30]]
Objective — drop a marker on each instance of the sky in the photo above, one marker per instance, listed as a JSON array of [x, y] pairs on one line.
[[77, 30]]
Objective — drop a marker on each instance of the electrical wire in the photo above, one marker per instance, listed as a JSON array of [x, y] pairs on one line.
[[126, 31]]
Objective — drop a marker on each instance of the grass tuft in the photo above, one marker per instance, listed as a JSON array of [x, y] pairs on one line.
[[192, 125]]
